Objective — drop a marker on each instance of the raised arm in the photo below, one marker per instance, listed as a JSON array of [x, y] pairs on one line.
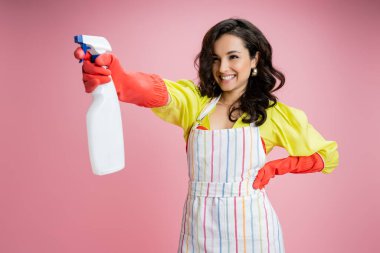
[[175, 102], [139, 88]]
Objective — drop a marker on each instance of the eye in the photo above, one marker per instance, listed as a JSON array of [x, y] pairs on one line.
[[214, 59], [234, 57]]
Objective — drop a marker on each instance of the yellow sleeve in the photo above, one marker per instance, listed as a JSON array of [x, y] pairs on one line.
[[184, 106], [288, 127]]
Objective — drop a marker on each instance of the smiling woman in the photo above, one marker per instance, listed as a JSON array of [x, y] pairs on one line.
[[230, 121], [236, 46]]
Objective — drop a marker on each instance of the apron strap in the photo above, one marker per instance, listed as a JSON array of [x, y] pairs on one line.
[[204, 112], [208, 108]]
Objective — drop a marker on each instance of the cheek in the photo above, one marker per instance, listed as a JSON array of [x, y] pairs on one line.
[[214, 69], [244, 68]]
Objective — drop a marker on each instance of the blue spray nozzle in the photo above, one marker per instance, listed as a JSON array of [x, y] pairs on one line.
[[79, 39], [96, 44]]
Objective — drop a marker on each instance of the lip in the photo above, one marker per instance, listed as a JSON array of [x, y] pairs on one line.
[[222, 80]]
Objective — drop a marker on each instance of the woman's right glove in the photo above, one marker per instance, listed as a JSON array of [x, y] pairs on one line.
[[148, 90]]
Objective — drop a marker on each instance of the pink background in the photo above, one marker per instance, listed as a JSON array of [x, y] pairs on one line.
[[51, 201]]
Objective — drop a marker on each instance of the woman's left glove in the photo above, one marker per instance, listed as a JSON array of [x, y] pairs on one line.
[[291, 164]]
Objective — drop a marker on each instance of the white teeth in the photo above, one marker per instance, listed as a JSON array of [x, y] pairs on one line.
[[229, 77]]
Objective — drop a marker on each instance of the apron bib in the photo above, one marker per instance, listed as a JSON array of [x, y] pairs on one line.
[[222, 211]]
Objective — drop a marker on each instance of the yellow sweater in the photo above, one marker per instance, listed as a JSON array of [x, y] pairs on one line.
[[285, 126]]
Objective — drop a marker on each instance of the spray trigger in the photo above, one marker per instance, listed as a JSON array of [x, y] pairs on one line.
[[84, 48]]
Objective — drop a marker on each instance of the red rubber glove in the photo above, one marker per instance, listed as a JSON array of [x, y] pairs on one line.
[[147, 90], [291, 164]]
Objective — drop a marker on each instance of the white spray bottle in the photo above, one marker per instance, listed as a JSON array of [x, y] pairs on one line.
[[104, 125]]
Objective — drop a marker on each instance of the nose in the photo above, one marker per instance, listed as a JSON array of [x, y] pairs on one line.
[[224, 66]]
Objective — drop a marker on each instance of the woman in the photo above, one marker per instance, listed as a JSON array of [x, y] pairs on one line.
[[231, 120]]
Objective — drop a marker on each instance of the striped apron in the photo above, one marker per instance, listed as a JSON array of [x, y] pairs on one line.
[[222, 211]]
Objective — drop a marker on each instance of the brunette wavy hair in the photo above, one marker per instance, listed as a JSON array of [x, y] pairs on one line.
[[259, 92]]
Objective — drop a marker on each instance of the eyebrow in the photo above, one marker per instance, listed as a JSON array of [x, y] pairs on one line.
[[229, 52]]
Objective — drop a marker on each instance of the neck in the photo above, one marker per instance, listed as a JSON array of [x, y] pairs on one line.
[[229, 98]]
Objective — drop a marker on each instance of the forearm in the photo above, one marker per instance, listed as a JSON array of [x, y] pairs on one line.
[[298, 164], [148, 90]]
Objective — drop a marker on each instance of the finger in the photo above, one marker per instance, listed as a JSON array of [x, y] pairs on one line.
[[260, 174], [258, 185], [91, 85], [257, 182], [264, 182], [104, 60], [90, 68], [101, 79], [79, 54]]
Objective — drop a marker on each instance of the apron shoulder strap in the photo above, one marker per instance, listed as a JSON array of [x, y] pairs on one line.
[[208, 108]]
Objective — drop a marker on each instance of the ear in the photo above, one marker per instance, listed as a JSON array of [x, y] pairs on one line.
[[255, 60]]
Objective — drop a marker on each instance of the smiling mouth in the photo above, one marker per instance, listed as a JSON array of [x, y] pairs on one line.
[[227, 77]]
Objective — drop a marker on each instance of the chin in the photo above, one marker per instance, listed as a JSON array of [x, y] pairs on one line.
[[227, 87]]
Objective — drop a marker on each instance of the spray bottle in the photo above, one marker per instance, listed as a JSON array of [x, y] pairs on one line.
[[104, 125]]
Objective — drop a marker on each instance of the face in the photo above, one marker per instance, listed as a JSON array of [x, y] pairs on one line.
[[232, 64]]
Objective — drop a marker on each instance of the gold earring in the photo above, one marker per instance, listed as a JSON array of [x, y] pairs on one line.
[[254, 72]]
